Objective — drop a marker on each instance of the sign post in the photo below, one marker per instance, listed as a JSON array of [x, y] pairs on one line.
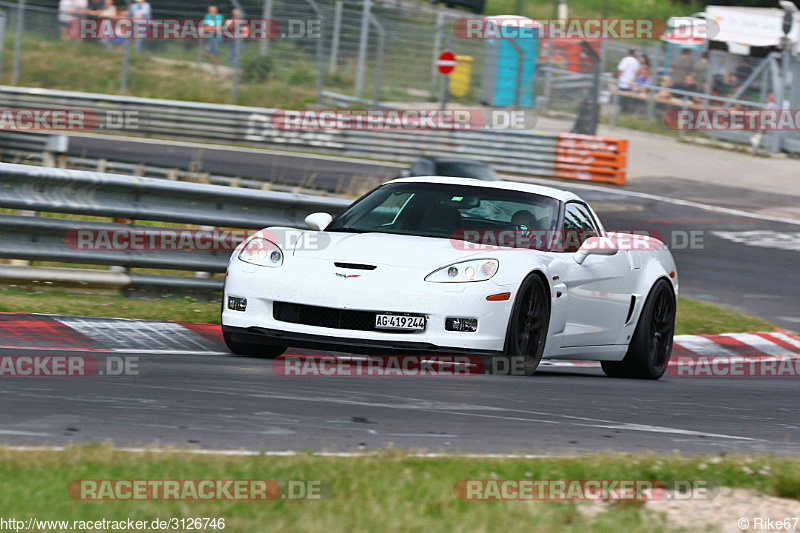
[[445, 64]]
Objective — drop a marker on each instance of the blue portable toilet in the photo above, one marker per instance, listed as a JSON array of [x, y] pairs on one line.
[[501, 60]]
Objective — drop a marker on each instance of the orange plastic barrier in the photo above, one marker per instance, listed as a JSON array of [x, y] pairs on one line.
[[590, 158]]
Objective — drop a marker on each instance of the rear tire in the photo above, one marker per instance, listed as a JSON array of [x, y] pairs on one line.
[[265, 351], [528, 325], [651, 346]]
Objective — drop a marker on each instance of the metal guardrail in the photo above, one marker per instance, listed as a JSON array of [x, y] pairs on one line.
[[109, 195], [512, 151], [85, 193]]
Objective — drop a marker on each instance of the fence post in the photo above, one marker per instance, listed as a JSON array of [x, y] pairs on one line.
[[320, 60], [437, 49], [235, 48], [263, 46], [2, 39], [379, 59], [337, 28], [548, 78], [595, 90], [651, 100], [612, 119], [126, 61], [362, 48], [18, 41]]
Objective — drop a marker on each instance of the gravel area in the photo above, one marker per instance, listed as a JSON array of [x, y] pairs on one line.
[[721, 513]]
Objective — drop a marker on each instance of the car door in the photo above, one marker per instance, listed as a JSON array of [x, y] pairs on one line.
[[598, 291]]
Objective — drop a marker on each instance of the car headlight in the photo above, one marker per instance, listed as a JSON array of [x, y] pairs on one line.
[[465, 271], [261, 252]]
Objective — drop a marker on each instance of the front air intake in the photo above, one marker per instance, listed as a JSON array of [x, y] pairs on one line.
[[356, 266]]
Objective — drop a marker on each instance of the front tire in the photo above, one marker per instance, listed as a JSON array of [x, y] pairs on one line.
[[528, 325], [252, 350], [651, 347]]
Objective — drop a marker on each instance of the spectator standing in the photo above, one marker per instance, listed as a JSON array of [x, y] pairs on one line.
[[213, 21], [67, 11], [626, 74], [140, 10], [682, 65], [109, 11], [237, 26], [626, 71]]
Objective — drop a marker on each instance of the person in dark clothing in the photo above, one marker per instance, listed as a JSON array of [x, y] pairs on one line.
[[682, 65]]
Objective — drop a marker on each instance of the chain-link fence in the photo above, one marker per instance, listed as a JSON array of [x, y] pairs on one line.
[[370, 52]]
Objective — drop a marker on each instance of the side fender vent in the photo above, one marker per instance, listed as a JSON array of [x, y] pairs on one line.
[[630, 309]]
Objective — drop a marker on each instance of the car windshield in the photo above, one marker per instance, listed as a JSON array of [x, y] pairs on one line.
[[465, 169], [477, 214]]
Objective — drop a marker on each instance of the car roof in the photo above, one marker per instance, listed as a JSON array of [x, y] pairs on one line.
[[437, 159], [558, 194]]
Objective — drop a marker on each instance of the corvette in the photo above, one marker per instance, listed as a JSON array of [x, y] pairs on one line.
[[431, 265]]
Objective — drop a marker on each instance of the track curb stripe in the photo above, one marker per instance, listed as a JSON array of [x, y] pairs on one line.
[[25, 331]]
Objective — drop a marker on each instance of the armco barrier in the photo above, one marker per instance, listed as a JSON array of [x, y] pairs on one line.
[[520, 152], [53, 190]]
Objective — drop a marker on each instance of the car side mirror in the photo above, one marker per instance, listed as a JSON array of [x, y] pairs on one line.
[[318, 221], [595, 246]]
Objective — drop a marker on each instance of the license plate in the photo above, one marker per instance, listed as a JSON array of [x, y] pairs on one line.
[[399, 322]]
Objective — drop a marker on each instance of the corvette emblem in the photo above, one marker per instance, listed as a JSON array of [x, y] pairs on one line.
[[346, 276]]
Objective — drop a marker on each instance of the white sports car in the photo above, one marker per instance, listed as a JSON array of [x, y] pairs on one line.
[[433, 265]]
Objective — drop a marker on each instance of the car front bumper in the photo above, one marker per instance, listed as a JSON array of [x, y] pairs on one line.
[[387, 289]]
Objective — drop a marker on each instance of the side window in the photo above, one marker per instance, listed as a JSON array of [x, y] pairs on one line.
[[578, 226]]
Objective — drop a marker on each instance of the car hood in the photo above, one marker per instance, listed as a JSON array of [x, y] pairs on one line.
[[384, 249]]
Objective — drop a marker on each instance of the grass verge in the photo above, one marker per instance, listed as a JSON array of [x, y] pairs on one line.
[[693, 317], [388, 491], [697, 318]]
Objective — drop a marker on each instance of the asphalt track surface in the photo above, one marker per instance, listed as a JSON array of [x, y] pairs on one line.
[[284, 167], [221, 401], [226, 402]]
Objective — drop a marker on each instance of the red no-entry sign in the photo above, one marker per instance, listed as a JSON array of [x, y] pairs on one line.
[[446, 62]]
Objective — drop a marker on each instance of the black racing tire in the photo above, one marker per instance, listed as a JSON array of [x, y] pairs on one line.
[[651, 346], [527, 328], [265, 351]]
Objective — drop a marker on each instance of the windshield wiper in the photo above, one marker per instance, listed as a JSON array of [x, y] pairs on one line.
[[348, 230]]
